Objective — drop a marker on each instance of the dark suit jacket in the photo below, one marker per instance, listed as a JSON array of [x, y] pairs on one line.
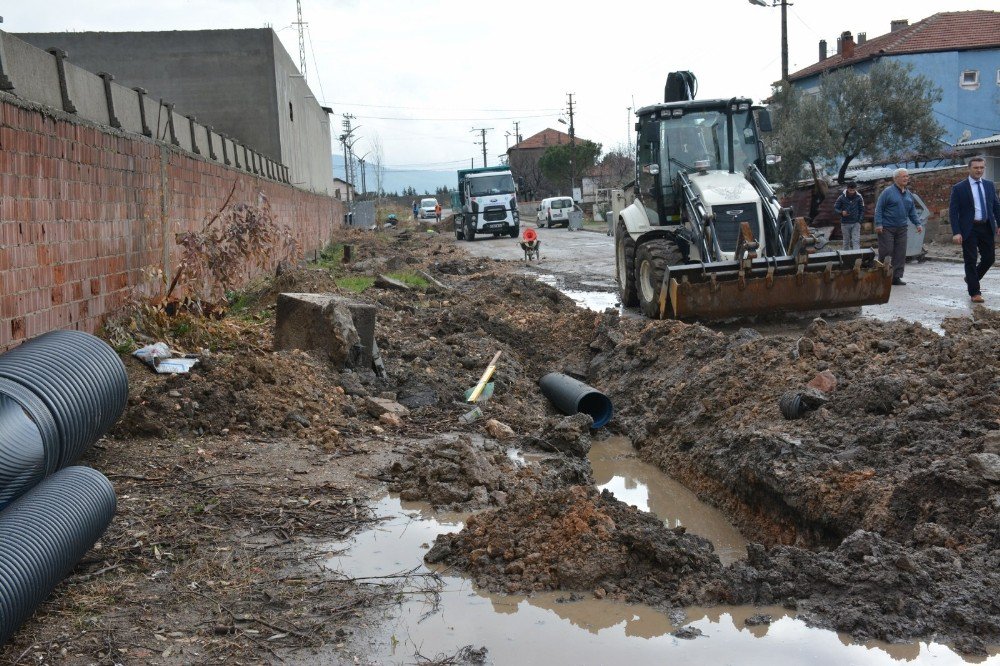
[[961, 209]]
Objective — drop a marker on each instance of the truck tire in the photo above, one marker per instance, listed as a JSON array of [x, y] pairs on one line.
[[470, 232], [625, 266], [651, 261], [515, 231]]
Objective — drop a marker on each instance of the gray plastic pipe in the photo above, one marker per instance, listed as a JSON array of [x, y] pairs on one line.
[[571, 396], [44, 534], [79, 379]]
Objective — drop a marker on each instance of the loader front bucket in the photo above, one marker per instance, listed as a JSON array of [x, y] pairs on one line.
[[726, 289]]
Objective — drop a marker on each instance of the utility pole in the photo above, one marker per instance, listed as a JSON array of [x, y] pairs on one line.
[[517, 132], [572, 148], [482, 142], [364, 189], [348, 144], [784, 31], [302, 37]]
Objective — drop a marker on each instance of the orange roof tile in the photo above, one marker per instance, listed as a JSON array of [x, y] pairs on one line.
[[547, 137]]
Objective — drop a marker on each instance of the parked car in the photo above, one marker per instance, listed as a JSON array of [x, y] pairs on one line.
[[427, 207], [554, 210]]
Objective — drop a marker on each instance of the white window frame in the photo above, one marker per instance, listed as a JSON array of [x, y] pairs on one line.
[[998, 77], [966, 84]]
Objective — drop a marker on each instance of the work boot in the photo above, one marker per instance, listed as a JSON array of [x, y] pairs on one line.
[[898, 283], [978, 298]]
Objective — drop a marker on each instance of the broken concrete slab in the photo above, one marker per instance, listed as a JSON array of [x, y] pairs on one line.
[[386, 282], [343, 329], [379, 406]]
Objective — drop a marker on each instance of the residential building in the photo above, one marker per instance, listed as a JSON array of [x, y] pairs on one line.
[[523, 160], [959, 52]]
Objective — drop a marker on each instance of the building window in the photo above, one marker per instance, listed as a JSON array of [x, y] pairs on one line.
[[291, 112], [969, 79], [998, 77]]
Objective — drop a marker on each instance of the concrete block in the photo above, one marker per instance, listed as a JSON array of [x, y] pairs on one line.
[[343, 329]]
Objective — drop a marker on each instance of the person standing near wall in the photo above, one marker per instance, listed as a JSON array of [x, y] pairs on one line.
[[851, 207], [894, 211], [973, 212]]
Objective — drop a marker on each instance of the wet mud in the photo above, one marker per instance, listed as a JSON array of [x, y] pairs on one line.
[[875, 512]]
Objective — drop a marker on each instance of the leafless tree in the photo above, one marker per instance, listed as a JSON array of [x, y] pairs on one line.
[[524, 166], [376, 157]]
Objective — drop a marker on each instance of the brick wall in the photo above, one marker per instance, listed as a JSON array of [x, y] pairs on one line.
[[934, 187], [88, 213]]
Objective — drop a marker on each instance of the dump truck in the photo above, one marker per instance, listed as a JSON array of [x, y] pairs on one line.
[[485, 203], [704, 236]]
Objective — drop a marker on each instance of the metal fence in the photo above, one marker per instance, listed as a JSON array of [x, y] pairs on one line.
[[362, 215]]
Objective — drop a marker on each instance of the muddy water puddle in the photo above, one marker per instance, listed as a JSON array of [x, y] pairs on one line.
[[597, 300], [440, 615]]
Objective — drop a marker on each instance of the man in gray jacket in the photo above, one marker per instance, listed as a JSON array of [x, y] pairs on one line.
[[894, 211], [851, 207]]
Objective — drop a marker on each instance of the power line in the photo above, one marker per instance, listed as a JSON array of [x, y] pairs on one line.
[[441, 108], [446, 120], [319, 79]]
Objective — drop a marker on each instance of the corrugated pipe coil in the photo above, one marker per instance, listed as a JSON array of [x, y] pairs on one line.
[[80, 381], [571, 396], [29, 441], [44, 534]]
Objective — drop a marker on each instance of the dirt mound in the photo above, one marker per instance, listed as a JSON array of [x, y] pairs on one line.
[[576, 539], [875, 588], [904, 449], [462, 473]]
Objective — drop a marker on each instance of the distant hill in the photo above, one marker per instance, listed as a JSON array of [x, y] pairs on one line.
[[396, 180]]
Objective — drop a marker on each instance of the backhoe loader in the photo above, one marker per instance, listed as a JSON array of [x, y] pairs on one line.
[[705, 237]]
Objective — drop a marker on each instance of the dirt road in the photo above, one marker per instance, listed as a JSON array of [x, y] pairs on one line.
[[584, 261]]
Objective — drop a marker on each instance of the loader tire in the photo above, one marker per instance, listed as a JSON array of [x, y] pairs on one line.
[[625, 266], [651, 261]]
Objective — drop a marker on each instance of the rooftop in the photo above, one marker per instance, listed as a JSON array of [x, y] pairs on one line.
[[944, 31]]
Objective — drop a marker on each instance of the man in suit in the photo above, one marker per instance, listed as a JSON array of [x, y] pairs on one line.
[[973, 212]]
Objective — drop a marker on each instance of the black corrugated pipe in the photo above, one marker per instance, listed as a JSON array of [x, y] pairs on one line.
[[79, 378], [29, 441], [571, 396], [44, 534]]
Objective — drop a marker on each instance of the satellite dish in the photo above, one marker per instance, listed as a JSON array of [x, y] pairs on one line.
[[965, 136]]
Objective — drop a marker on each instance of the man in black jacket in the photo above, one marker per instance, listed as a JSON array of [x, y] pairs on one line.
[[851, 207], [973, 212]]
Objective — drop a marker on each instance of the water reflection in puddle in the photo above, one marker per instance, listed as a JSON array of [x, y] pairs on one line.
[[548, 629], [617, 469], [598, 301]]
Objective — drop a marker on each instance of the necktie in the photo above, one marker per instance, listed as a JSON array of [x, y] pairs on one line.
[[982, 202]]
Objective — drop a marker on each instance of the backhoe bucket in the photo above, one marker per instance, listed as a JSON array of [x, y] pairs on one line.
[[824, 280]]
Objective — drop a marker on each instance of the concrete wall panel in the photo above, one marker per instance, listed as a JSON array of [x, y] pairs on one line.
[[32, 71], [86, 91], [127, 108]]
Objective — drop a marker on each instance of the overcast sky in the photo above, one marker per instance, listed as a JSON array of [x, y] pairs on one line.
[[422, 75]]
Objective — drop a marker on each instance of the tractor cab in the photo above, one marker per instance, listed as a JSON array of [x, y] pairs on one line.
[[704, 137]]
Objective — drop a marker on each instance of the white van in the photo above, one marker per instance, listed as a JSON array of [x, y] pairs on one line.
[[427, 207], [554, 210]]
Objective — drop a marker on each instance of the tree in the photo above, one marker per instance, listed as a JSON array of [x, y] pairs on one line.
[[377, 161], [527, 173], [883, 114], [617, 167], [563, 162]]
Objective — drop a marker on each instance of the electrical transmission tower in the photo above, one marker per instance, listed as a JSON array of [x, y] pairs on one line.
[[302, 37]]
